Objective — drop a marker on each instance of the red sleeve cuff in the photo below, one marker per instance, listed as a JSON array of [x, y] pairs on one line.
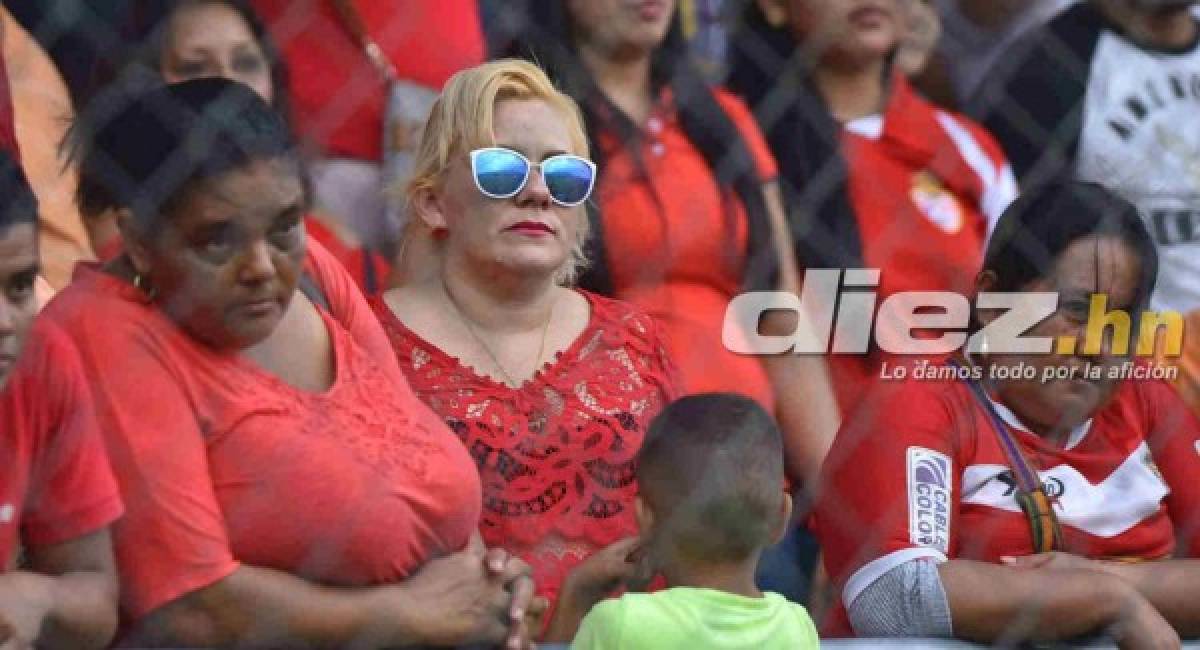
[[74, 524]]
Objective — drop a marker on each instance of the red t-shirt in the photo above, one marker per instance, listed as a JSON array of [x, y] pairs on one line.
[[926, 186], [918, 472], [676, 245], [338, 97], [556, 455], [56, 485], [221, 463]]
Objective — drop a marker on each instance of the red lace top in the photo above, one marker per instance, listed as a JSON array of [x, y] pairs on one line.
[[555, 455]]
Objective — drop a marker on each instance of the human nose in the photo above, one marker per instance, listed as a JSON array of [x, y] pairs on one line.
[[535, 193], [257, 265]]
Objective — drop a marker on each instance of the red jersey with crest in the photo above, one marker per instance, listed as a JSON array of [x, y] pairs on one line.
[[926, 185], [918, 472]]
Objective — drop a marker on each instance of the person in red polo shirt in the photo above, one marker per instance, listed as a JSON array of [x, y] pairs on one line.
[[877, 177], [340, 95], [57, 494]]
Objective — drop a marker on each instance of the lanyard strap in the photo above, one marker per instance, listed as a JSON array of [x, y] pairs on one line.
[[1030, 492], [353, 23]]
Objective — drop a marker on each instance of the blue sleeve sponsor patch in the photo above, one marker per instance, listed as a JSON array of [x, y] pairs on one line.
[[930, 485]]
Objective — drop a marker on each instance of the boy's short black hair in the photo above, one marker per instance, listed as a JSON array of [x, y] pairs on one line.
[[18, 204], [711, 469]]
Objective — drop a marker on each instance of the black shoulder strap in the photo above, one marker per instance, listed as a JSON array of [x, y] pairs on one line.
[[311, 290]]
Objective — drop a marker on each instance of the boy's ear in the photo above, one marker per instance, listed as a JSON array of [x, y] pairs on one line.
[[785, 519], [643, 514]]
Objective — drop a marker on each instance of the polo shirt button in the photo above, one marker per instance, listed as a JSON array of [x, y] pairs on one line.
[[654, 125], [658, 149]]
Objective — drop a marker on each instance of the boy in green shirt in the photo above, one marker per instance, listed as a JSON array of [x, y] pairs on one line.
[[710, 476]]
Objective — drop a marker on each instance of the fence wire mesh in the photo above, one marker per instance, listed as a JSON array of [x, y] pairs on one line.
[[972, 103]]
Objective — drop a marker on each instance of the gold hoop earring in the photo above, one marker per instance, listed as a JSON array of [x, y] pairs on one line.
[[143, 285]]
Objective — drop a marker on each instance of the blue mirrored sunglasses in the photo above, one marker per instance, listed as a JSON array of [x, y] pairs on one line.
[[502, 173]]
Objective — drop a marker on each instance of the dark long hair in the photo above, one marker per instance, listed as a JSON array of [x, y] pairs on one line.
[[1048, 217], [770, 70], [548, 40]]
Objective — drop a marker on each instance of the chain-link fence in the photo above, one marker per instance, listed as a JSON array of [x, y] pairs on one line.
[[742, 146]]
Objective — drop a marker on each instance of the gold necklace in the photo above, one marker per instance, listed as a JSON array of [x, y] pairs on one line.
[[487, 349]]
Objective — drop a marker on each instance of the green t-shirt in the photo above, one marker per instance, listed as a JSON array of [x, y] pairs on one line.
[[696, 619]]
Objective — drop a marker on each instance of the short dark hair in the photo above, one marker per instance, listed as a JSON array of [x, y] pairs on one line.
[[143, 148], [18, 204], [1047, 218], [711, 469]]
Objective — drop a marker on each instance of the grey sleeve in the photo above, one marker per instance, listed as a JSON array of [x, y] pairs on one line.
[[907, 601]]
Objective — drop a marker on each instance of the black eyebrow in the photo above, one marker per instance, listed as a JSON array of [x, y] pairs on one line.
[[32, 269]]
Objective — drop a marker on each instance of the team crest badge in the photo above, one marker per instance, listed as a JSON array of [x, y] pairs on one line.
[[936, 202]]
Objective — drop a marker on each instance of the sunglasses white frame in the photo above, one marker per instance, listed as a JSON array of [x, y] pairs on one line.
[[529, 166]]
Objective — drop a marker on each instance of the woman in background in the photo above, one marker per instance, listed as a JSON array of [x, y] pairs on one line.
[[190, 39], [687, 215], [876, 176]]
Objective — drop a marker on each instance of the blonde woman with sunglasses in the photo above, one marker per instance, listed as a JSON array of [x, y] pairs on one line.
[[549, 387]]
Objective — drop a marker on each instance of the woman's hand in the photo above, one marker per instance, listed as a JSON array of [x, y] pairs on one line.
[[473, 596], [525, 610], [1052, 560], [923, 29], [1142, 627], [25, 601]]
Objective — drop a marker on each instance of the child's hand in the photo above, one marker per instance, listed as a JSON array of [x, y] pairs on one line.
[[612, 566], [596, 577]]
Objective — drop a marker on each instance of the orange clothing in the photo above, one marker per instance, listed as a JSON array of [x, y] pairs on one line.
[[676, 245], [42, 112]]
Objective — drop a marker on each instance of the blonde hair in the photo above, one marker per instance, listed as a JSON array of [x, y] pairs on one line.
[[463, 118]]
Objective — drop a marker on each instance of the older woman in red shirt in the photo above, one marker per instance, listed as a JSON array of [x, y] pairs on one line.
[[550, 388], [273, 498]]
